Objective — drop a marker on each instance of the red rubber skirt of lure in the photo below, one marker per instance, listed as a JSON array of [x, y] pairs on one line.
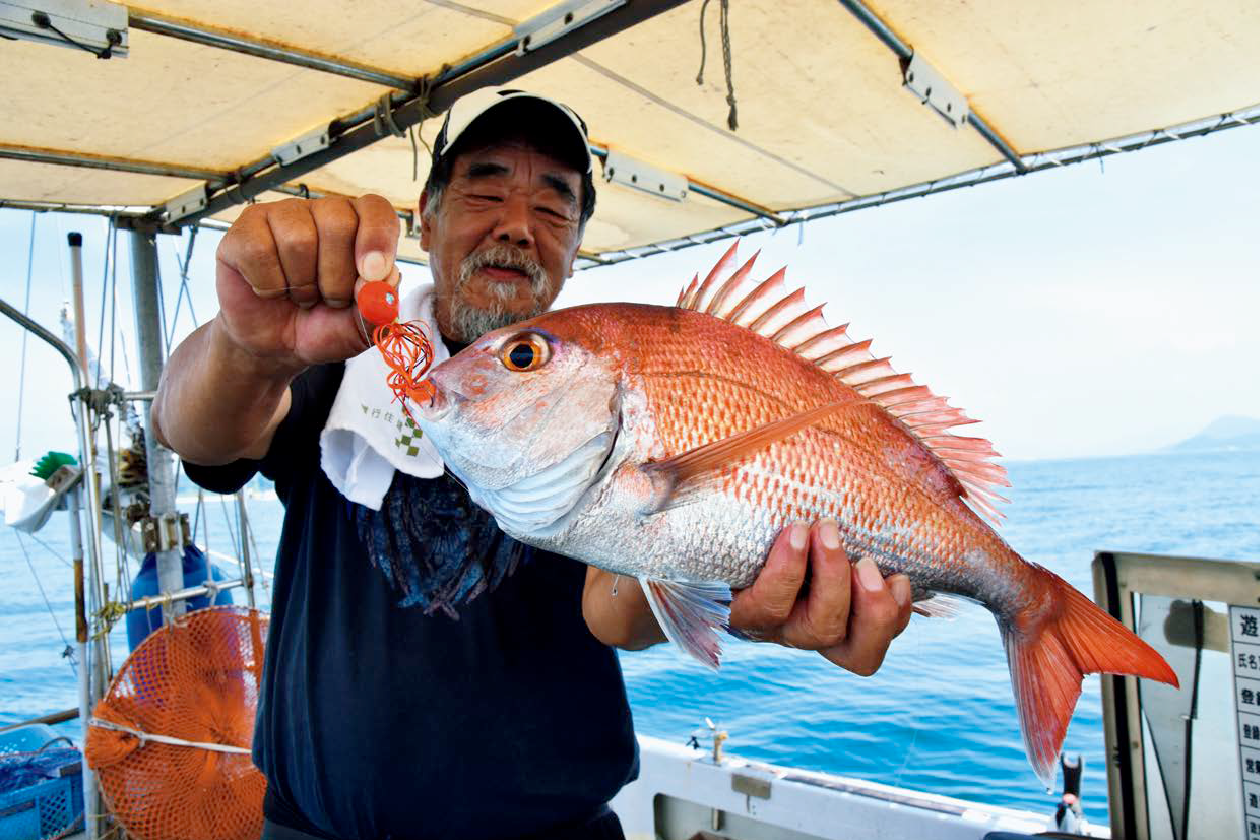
[[403, 345]]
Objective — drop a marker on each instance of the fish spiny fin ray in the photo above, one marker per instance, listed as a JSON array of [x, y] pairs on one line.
[[768, 308], [691, 614], [679, 479]]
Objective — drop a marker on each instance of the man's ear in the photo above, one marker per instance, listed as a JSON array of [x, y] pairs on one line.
[[426, 222]]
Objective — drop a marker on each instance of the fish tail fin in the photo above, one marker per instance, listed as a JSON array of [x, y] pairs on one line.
[[1050, 653]]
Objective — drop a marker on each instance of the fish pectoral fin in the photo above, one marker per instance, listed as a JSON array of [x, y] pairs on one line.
[[678, 479], [690, 614]]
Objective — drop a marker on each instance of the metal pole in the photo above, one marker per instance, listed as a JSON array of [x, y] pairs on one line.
[[135, 167], [91, 675], [199, 33], [96, 574], [90, 800], [498, 66], [904, 52], [161, 464], [247, 565]]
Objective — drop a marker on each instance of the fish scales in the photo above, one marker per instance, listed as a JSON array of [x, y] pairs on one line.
[[822, 473], [673, 444]]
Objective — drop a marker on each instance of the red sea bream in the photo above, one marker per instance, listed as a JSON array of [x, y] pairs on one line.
[[673, 444]]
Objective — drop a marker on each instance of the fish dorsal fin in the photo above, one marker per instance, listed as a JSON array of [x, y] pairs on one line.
[[768, 307]]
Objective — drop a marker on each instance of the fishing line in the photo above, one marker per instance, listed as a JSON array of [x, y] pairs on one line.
[[111, 233], [54, 552], [113, 283], [44, 595], [100, 333], [227, 519], [26, 308], [161, 303], [185, 265], [914, 733]]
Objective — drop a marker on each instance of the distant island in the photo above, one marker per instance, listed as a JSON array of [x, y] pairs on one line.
[[1231, 432]]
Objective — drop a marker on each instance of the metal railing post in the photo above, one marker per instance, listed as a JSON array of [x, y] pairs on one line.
[[151, 351]]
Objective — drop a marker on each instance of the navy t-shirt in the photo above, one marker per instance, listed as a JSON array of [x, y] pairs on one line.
[[380, 721]]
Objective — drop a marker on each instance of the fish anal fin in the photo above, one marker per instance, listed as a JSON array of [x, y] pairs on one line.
[[1050, 649], [937, 605], [691, 614], [677, 479]]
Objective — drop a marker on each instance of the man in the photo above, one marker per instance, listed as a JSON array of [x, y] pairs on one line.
[[378, 720]]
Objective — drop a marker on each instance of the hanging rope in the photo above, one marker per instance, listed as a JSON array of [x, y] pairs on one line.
[[26, 308], [732, 116], [384, 123]]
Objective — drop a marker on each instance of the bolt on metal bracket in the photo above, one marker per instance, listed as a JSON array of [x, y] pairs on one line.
[[933, 89], [620, 168], [559, 21], [186, 204], [165, 532], [308, 144]]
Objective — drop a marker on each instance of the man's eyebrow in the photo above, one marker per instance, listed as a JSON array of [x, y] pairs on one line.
[[486, 169], [561, 186]]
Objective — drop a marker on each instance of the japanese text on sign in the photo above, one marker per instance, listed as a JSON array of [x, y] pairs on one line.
[[1244, 634]]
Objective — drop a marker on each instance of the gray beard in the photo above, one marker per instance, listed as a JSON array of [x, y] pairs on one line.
[[469, 323]]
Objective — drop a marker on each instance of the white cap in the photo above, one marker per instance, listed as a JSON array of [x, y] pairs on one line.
[[468, 108]]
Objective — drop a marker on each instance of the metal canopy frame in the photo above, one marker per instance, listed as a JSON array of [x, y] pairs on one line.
[[1038, 162], [415, 100]]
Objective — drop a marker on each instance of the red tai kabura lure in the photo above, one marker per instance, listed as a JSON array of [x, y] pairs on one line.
[[403, 345]]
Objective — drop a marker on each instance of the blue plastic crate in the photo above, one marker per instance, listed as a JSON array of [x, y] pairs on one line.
[[45, 808]]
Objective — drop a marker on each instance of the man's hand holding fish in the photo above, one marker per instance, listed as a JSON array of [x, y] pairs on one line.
[[849, 613]]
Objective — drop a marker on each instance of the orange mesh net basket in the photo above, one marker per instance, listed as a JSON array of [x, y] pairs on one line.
[[170, 741]]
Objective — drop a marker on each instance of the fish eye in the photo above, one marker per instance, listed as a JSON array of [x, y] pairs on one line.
[[525, 352]]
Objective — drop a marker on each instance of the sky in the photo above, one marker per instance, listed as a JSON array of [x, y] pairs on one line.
[[1102, 309]]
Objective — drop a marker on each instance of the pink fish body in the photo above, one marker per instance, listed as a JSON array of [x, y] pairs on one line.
[[674, 444]]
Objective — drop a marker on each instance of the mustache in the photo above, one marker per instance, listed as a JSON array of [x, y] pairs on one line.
[[503, 256], [469, 323]]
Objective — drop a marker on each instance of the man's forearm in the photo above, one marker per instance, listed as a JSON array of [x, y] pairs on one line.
[[217, 402], [622, 620]]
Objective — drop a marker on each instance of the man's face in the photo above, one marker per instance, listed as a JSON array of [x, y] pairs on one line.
[[503, 238]]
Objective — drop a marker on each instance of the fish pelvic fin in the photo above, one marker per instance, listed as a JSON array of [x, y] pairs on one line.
[[690, 614], [1049, 658], [770, 309], [679, 479]]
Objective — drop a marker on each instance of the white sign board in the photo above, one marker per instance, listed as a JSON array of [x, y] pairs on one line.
[[1244, 625]]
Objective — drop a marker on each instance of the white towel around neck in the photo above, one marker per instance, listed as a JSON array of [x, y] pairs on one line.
[[367, 435]]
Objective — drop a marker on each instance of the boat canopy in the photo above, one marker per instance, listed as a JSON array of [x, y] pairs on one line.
[[802, 109]]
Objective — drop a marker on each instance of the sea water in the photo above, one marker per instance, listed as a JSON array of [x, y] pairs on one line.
[[938, 716]]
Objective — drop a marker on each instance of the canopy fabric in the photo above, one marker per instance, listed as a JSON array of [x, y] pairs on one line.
[[824, 117]]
